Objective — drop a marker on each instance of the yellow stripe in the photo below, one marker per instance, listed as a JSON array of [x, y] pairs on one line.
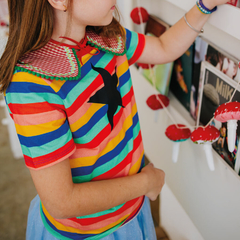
[[135, 168], [61, 227], [86, 57], [27, 77], [89, 161], [39, 129], [56, 85], [86, 117], [122, 68]]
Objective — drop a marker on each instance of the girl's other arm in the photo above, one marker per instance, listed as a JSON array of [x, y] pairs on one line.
[[65, 199], [174, 42]]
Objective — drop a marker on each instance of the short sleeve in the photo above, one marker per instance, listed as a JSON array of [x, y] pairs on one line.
[[40, 120], [135, 43]]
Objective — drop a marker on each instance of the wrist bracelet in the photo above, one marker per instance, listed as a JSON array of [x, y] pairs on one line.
[[194, 29], [203, 8]]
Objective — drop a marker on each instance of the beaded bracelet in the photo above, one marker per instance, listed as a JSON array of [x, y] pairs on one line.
[[203, 8]]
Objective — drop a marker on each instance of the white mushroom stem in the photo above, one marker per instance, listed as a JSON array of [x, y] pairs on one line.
[[232, 128], [175, 151], [208, 151]]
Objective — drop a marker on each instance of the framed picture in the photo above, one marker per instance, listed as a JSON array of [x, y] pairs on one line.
[[182, 75], [207, 51], [216, 88]]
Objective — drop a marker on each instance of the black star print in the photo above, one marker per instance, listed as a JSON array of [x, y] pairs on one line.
[[108, 94]]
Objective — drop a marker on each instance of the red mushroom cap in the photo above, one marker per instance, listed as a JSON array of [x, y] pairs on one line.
[[135, 15], [228, 111], [145, 65], [208, 134], [155, 104], [178, 132]]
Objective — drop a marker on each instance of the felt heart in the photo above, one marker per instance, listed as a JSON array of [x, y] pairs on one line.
[[154, 103], [135, 15]]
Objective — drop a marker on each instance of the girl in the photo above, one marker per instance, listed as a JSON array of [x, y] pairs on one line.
[[65, 76]]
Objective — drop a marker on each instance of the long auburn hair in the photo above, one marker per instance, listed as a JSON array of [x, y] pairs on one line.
[[31, 27]]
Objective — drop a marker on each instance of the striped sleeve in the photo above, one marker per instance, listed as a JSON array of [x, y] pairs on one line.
[[135, 43], [40, 121]]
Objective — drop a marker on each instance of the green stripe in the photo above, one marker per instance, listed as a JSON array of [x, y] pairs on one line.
[[106, 233], [133, 45], [107, 166], [126, 88], [94, 131], [136, 130], [48, 147], [86, 81], [111, 210], [27, 98], [54, 233]]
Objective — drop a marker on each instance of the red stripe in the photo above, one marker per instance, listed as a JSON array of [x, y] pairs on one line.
[[111, 173], [135, 212], [90, 221], [86, 94], [44, 160], [139, 49], [33, 108], [128, 97], [118, 168], [107, 130]]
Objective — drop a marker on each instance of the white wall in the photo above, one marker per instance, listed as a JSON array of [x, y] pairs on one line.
[[206, 202]]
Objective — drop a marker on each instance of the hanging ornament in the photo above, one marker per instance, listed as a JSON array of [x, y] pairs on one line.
[[206, 136], [145, 65], [157, 101], [230, 113], [138, 13], [177, 133]]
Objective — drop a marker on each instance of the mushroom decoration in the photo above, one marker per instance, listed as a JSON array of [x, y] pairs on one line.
[[230, 113], [138, 13], [177, 133], [206, 136], [145, 65], [157, 101]]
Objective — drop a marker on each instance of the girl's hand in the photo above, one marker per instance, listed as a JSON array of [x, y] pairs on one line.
[[210, 4], [156, 180]]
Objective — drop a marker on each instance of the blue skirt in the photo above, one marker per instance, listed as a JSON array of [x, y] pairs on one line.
[[139, 228]]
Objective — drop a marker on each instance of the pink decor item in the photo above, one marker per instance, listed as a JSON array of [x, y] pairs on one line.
[[177, 133], [154, 103], [206, 136], [230, 113], [138, 13]]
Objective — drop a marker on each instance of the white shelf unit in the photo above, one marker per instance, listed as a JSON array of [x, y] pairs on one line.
[[208, 200], [226, 18]]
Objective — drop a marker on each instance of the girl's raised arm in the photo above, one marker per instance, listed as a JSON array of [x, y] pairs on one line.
[[174, 42]]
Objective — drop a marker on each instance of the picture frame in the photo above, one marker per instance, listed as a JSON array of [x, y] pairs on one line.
[[216, 88]]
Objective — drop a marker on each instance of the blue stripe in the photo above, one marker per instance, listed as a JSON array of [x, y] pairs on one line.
[[123, 79], [128, 38], [94, 120], [110, 155], [85, 69], [81, 171], [27, 87], [36, 141]]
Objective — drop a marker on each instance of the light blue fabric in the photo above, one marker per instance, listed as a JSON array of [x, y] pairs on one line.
[[139, 228]]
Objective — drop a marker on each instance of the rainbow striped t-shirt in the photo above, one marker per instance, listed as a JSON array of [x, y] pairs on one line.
[[87, 113]]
